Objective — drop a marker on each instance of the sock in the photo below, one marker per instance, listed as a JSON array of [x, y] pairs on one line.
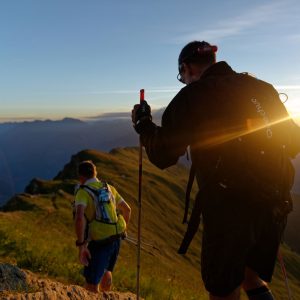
[[261, 293]]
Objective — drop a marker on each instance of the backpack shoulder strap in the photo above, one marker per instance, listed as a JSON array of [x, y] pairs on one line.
[[188, 193], [111, 194], [92, 190], [88, 188], [193, 225]]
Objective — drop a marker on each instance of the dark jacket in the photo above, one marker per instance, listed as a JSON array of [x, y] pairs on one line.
[[210, 115], [240, 136]]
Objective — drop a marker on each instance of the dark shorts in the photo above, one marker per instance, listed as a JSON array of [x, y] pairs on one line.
[[238, 233], [103, 258]]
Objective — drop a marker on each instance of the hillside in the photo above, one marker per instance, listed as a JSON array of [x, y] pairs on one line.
[[38, 234], [292, 236], [36, 230]]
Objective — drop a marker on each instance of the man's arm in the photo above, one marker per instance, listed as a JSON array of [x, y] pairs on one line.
[[166, 143], [80, 224], [125, 210]]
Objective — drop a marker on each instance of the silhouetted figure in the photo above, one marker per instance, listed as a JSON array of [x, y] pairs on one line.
[[241, 140]]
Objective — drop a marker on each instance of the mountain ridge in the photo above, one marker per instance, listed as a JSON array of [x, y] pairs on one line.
[[40, 148]]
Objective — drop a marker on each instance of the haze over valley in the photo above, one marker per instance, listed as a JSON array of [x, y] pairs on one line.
[[39, 148]]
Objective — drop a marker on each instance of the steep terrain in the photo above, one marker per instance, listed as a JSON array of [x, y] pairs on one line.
[[36, 230], [292, 236]]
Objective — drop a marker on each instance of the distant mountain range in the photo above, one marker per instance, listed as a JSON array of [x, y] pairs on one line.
[[39, 148]]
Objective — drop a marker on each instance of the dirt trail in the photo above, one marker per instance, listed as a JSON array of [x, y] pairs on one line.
[[17, 284]]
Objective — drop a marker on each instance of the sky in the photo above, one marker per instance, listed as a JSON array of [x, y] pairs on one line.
[[71, 58]]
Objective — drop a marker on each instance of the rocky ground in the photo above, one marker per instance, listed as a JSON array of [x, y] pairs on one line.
[[17, 284]]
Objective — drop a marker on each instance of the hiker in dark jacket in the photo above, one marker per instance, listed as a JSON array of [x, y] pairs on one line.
[[242, 222]]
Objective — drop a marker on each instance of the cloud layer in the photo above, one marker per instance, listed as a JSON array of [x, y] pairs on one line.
[[233, 26]]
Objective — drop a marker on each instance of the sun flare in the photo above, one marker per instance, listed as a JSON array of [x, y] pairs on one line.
[[293, 102]]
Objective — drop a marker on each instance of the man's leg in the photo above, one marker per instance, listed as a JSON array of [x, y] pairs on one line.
[[106, 281], [96, 267], [225, 242], [256, 288]]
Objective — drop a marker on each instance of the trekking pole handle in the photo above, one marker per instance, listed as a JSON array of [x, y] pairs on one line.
[[142, 95]]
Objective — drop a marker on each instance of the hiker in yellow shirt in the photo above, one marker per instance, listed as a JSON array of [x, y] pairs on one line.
[[101, 220]]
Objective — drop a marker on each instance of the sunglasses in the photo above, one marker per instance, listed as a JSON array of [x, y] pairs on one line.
[[180, 71]]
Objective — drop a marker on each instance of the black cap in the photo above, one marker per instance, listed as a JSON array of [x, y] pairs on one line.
[[194, 50]]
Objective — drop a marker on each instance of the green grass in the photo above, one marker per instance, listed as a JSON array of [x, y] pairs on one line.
[[37, 231], [41, 240]]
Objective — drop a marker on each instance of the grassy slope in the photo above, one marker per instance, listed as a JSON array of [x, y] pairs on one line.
[[292, 231], [37, 230]]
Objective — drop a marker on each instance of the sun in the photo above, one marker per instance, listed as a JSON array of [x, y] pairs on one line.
[[292, 104], [293, 108]]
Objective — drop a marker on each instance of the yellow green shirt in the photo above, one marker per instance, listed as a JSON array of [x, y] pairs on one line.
[[99, 230]]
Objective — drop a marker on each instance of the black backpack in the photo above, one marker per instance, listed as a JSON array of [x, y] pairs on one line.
[[257, 153]]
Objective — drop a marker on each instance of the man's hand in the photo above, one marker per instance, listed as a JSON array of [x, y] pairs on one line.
[[84, 255], [141, 117], [141, 112], [124, 234]]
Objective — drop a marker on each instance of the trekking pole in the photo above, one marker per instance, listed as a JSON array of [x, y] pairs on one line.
[[139, 211], [280, 258], [134, 241]]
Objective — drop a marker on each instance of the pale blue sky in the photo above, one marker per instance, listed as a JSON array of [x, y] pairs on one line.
[[82, 58]]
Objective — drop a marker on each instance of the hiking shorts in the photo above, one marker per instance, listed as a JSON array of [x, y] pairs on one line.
[[103, 258], [238, 232]]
